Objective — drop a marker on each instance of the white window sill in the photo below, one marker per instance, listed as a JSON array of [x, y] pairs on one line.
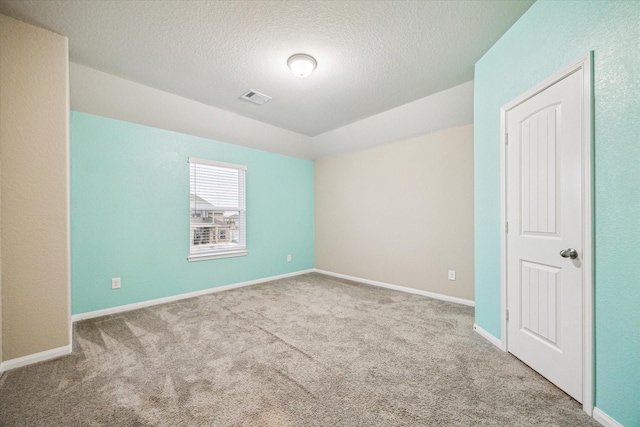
[[205, 257]]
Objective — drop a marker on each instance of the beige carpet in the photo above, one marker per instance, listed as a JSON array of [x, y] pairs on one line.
[[305, 351]]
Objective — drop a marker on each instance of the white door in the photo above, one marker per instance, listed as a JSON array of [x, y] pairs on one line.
[[545, 226]]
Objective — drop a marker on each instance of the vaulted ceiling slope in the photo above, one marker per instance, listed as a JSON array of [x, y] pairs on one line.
[[372, 55]]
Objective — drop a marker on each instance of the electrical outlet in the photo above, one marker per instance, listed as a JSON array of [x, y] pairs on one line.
[[116, 283], [452, 275], [288, 258]]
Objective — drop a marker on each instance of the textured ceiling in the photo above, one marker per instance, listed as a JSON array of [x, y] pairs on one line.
[[372, 55]]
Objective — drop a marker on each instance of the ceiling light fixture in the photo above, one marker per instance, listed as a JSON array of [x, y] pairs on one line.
[[301, 64]]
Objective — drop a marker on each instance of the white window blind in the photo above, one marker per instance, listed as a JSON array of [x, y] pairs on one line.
[[218, 211]]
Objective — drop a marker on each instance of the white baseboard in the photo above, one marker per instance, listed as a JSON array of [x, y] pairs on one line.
[[143, 304], [35, 358], [605, 419], [399, 288], [486, 335]]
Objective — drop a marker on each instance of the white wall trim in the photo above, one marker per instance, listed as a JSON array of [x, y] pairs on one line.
[[164, 300], [584, 65], [35, 358], [486, 335], [605, 419], [398, 288], [68, 198]]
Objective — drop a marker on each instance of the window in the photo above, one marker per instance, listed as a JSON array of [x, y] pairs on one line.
[[218, 214]]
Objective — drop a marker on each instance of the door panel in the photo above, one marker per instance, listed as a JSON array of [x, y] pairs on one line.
[[539, 301], [539, 171], [544, 212]]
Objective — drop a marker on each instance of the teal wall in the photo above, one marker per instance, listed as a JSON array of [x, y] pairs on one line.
[[130, 214], [548, 37]]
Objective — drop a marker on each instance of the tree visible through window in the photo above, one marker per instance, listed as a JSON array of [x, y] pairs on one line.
[[218, 214]]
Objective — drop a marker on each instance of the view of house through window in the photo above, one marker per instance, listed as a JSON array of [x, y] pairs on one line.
[[218, 215]]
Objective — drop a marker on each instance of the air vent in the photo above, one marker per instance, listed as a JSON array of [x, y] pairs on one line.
[[256, 97]]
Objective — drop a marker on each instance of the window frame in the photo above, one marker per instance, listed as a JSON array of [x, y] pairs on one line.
[[202, 254]]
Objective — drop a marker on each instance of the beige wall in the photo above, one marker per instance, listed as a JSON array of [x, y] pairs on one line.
[[400, 213], [34, 143]]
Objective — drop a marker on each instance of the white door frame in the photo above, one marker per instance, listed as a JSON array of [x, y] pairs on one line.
[[584, 64]]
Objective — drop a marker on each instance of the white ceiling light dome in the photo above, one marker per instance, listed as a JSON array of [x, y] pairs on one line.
[[302, 64]]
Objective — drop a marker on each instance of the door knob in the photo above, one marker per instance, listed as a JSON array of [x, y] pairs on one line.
[[569, 253]]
